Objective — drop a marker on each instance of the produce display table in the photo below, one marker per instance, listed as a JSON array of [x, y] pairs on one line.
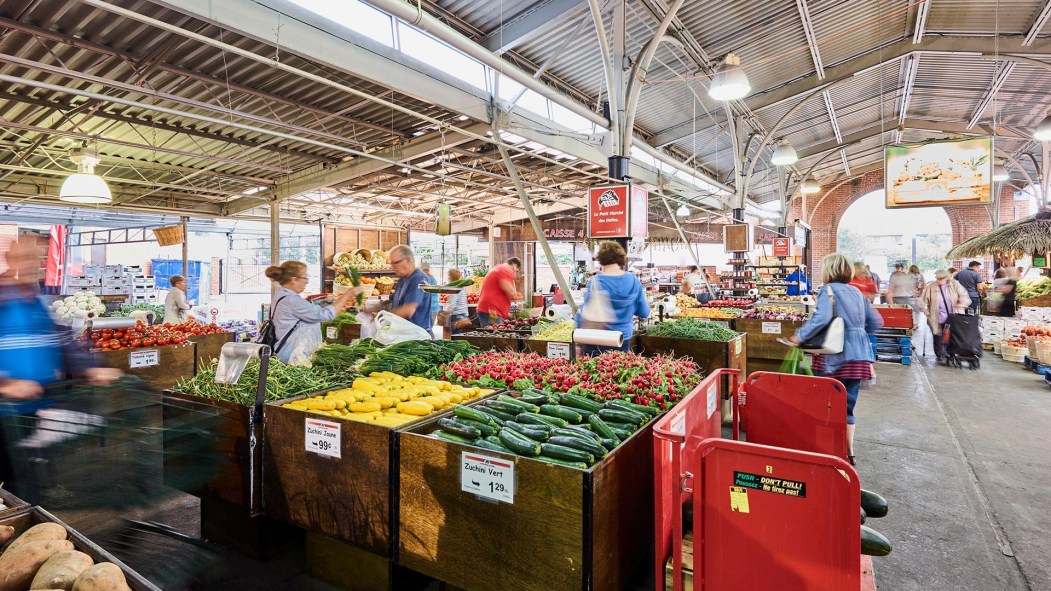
[[27, 517], [551, 349], [565, 529], [710, 355], [764, 352], [158, 367]]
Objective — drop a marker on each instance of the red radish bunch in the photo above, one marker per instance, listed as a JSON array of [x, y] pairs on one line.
[[654, 381]]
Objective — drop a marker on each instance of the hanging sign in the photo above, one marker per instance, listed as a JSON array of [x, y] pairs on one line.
[[782, 247], [608, 211], [640, 208], [488, 477]]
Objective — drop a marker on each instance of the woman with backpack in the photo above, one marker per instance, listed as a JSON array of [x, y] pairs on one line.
[[297, 322]]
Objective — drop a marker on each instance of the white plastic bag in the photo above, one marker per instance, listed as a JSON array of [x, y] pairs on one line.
[[368, 325], [391, 328]]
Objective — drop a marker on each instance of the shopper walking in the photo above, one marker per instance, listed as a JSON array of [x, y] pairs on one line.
[[877, 283], [860, 320], [455, 306], [297, 322], [942, 297], [862, 280], [969, 279], [623, 292], [1007, 291], [436, 307], [498, 291], [176, 308]]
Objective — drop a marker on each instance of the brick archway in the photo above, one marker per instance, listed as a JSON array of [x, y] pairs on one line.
[[826, 209]]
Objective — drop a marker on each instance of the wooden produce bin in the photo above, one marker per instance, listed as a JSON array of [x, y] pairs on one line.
[[30, 516], [172, 363], [709, 355], [567, 529], [340, 334], [209, 346], [544, 348], [493, 343], [762, 344], [13, 504]]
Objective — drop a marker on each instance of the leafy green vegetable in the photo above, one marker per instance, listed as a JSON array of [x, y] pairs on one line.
[[411, 358], [355, 280], [691, 328], [282, 381]]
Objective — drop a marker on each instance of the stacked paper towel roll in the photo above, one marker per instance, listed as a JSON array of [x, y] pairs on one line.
[[753, 292], [602, 338], [559, 312]]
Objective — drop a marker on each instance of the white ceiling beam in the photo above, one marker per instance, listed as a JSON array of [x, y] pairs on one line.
[[920, 28], [1003, 71], [811, 38], [832, 116], [1038, 23], [846, 162], [528, 24], [911, 67], [860, 64]]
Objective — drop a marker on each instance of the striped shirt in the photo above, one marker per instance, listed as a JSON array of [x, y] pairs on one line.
[[851, 370]]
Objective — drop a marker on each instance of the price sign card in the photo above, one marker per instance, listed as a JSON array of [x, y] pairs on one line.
[[144, 358], [558, 350], [488, 477], [331, 333], [322, 437], [771, 328], [713, 399]]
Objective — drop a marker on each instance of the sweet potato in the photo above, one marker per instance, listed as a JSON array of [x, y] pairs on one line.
[[40, 531], [6, 531], [19, 566], [61, 570], [104, 576]]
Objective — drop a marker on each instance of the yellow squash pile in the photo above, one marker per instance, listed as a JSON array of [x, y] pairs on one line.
[[707, 313], [388, 399]]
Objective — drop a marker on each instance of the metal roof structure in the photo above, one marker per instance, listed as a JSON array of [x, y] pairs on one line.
[[219, 109]]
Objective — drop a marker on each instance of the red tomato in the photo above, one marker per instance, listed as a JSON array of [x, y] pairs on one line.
[[136, 343], [163, 341], [148, 342], [177, 340]]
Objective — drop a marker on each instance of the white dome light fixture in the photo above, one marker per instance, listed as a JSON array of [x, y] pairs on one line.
[[1043, 131], [1000, 172], [730, 82], [784, 154], [809, 186], [85, 187], [683, 211]]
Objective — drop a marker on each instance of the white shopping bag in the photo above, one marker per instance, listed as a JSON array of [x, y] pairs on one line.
[[391, 328]]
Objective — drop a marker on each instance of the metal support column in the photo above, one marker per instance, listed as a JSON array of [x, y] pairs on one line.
[[686, 241], [512, 171], [275, 237], [185, 247]]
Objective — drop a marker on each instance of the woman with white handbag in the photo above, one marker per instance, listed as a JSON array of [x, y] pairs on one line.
[[838, 333], [612, 299]]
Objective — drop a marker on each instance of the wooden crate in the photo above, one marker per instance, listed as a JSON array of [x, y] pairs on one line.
[[209, 347], [764, 345], [567, 529], [213, 449], [174, 362], [1043, 301], [14, 504], [341, 334], [30, 516], [541, 347], [493, 343]]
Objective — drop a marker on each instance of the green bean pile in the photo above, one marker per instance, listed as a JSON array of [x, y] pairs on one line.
[[691, 328], [282, 381], [335, 360]]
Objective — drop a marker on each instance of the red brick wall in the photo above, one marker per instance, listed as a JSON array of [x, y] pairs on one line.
[[827, 208]]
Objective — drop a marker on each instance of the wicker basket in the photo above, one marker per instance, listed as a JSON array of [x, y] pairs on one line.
[[385, 288], [1014, 354], [1043, 352], [169, 235], [364, 253], [1031, 344], [996, 347]]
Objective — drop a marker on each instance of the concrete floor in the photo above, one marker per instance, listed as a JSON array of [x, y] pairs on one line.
[[961, 455]]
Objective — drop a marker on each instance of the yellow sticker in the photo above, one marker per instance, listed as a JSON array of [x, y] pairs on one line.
[[739, 499]]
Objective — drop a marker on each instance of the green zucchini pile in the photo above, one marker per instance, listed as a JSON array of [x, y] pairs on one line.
[[561, 429]]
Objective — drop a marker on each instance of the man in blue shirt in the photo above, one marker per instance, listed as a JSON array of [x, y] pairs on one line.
[[409, 301], [969, 279], [794, 279]]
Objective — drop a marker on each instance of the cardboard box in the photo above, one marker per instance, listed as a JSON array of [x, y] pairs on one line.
[[83, 281], [114, 281], [111, 291]]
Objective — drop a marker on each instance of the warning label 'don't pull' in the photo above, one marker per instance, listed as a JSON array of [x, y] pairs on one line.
[[781, 486]]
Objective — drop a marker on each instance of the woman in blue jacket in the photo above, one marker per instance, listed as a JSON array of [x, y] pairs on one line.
[[860, 320], [626, 295]]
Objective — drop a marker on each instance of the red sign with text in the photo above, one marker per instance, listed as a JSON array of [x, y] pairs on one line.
[[609, 212], [782, 247], [640, 206]]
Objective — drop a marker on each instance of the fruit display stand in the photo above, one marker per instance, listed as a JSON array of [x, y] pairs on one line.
[[209, 346], [344, 497], [764, 352], [564, 528], [27, 517], [158, 367]]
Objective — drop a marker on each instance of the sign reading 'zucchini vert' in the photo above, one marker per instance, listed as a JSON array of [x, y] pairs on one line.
[[488, 477], [781, 486]]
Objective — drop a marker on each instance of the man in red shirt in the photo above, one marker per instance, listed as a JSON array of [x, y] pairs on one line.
[[498, 291]]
